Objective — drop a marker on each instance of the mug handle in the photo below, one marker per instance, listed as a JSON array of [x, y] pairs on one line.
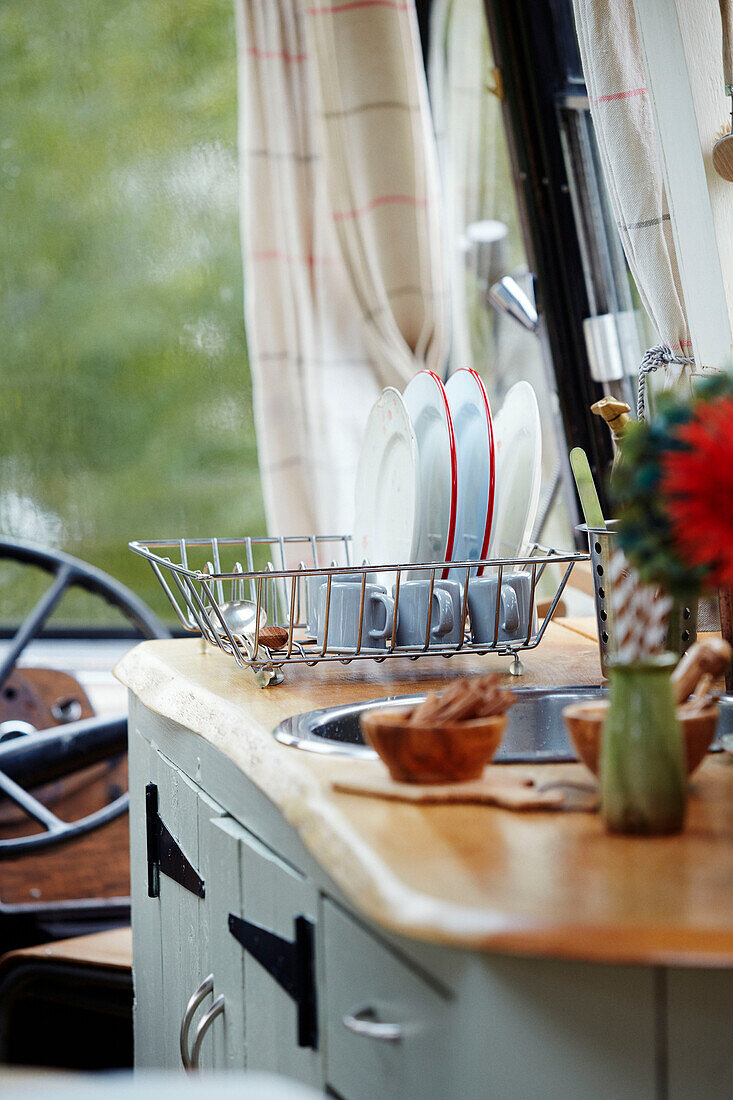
[[511, 608], [445, 614], [388, 604]]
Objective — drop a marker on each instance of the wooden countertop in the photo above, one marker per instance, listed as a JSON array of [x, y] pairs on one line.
[[541, 884]]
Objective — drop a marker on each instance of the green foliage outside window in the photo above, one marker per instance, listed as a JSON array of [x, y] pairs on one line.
[[125, 398]]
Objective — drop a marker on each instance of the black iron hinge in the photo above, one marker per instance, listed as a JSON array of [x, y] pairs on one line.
[[164, 853], [291, 964]]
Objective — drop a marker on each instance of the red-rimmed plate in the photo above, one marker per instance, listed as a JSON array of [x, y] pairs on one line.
[[387, 488], [474, 436], [518, 436], [427, 403]]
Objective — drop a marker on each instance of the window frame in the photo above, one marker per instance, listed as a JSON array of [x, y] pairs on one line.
[[533, 52]]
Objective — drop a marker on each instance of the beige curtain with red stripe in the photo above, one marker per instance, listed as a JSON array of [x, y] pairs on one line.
[[381, 169], [340, 238], [626, 134]]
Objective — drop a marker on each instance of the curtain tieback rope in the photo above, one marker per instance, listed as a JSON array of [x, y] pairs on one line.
[[659, 356]]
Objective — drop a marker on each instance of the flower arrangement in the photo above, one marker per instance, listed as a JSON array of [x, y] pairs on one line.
[[674, 491]]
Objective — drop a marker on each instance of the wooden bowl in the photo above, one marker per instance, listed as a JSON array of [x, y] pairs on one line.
[[453, 753], [585, 724]]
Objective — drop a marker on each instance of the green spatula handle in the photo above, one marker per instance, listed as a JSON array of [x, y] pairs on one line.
[[589, 501]]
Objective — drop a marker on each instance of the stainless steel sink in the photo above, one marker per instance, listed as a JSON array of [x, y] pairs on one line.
[[535, 731]]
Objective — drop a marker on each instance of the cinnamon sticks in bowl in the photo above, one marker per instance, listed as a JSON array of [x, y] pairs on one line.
[[449, 738]]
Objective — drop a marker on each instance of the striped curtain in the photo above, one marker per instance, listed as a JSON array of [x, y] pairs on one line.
[[381, 168], [341, 245], [627, 140]]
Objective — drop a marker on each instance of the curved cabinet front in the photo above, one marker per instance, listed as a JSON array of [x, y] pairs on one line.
[[395, 1018]]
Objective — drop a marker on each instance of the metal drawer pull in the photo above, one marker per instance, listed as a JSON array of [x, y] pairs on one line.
[[201, 991], [204, 1024], [364, 1021]]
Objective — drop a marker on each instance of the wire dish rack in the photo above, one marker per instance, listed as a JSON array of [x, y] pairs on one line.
[[282, 577]]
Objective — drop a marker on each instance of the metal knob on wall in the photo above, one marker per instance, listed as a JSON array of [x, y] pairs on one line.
[[508, 298]]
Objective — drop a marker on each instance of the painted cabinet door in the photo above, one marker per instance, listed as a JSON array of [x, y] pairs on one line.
[[389, 1027], [699, 1026], [147, 943], [184, 917], [555, 1029], [221, 866], [273, 894], [171, 933]]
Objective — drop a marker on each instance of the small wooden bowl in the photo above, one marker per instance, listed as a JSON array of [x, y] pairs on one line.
[[453, 753], [585, 725]]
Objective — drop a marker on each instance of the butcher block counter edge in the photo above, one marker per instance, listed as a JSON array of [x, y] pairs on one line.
[[548, 885]]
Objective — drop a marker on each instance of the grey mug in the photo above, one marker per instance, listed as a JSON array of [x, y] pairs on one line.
[[343, 616], [514, 611], [314, 585], [445, 613]]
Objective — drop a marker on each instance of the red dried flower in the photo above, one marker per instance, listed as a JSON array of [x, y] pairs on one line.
[[698, 482]]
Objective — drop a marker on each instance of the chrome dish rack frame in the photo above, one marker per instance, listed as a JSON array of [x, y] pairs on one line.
[[197, 594]]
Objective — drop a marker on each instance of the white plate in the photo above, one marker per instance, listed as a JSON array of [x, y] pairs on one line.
[[474, 434], [426, 402], [386, 504], [518, 446]]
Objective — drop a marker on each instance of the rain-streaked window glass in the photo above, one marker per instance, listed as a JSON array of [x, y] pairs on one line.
[[125, 403]]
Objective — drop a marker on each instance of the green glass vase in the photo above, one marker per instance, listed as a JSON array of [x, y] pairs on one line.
[[643, 774]]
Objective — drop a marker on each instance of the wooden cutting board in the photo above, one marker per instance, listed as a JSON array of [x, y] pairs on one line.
[[511, 792]]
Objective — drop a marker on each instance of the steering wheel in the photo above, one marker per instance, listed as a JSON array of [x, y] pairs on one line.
[[47, 755], [39, 757]]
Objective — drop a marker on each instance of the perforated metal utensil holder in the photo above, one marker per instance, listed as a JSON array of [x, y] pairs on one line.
[[602, 542]]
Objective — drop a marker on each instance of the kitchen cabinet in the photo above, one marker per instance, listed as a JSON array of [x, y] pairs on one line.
[[390, 1025], [185, 939], [433, 1015], [364, 988]]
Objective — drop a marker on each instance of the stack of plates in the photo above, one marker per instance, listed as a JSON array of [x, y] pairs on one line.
[[440, 480]]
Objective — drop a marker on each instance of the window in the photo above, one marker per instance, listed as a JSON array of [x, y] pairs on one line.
[[485, 238], [126, 408]]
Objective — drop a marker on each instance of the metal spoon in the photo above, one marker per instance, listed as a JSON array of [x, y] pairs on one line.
[[241, 615]]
